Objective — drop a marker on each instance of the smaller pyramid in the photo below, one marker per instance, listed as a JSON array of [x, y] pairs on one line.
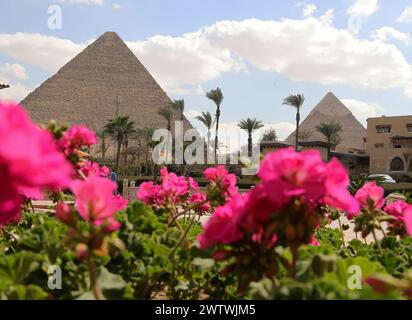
[[331, 109]]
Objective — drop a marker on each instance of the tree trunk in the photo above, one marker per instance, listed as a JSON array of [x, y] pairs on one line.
[[208, 144], [103, 149], [249, 145], [126, 144], [119, 146], [297, 131], [217, 131]]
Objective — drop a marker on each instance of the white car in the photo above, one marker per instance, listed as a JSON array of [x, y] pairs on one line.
[[384, 178]]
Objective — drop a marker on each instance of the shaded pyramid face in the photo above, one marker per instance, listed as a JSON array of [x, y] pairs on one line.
[[104, 80], [329, 109]]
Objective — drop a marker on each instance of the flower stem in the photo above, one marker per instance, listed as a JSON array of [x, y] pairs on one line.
[[341, 233], [183, 237], [294, 250], [92, 276], [376, 241]]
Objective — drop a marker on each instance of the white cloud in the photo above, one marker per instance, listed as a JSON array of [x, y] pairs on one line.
[[363, 8], [188, 59], [12, 71], [116, 6], [329, 55], [308, 9], [363, 110], [16, 92], [385, 33], [311, 50], [406, 15], [191, 113], [47, 52], [90, 2]]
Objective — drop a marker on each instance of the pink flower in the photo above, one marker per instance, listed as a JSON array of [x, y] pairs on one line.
[[172, 189], [222, 227], [30, 161], [193, 184], [337, 195], [96, 202], [398, 209], [148, 192], [64, 212], [200, 198], [221, 178], [76, 137], [370, 195], [93, 168], [286, 174], [408, 222], [290, 174]]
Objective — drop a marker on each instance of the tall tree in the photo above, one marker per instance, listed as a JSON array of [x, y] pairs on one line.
[[179, 106], [207, 120], [102, 135], [269, 135], [305, 134], [118, 128], [295, 101], [168, 115], [331, 131], [216, 96], [250, 125]]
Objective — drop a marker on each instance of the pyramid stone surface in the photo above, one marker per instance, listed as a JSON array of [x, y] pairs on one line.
[[104, 80], [329, 109]]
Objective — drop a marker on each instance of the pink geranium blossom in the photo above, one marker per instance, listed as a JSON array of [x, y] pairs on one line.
[[290, 174], [92, 168], [370, 195], [221, 179], [222, 227], [200, 199], [76, 137], [96, 202], [173, 189], [30, 161], [398, 209], [408, 222]]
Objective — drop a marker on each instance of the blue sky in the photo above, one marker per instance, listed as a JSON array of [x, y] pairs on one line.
[[257, 51]]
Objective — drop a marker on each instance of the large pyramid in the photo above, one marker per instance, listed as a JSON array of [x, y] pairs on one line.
[[104, 80], [329, 109]]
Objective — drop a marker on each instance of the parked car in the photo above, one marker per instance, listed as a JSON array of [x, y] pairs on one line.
[[381, 177]]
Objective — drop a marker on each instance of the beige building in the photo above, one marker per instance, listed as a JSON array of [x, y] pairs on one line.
[[389, 144]]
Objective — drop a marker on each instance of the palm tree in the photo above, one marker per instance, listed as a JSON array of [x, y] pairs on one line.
[[119, 128], [168, 115], [295, 101], [269, 135], [207, 120], [216, 96], [250, 125], [179, 106], [305, 134], [331, 131], [4, 86], [129, 130], [102, 134]]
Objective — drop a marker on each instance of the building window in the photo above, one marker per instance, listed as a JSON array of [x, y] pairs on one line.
[[397, 146], [383, 129], [397, 164], [409, 127], [378, 145]]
